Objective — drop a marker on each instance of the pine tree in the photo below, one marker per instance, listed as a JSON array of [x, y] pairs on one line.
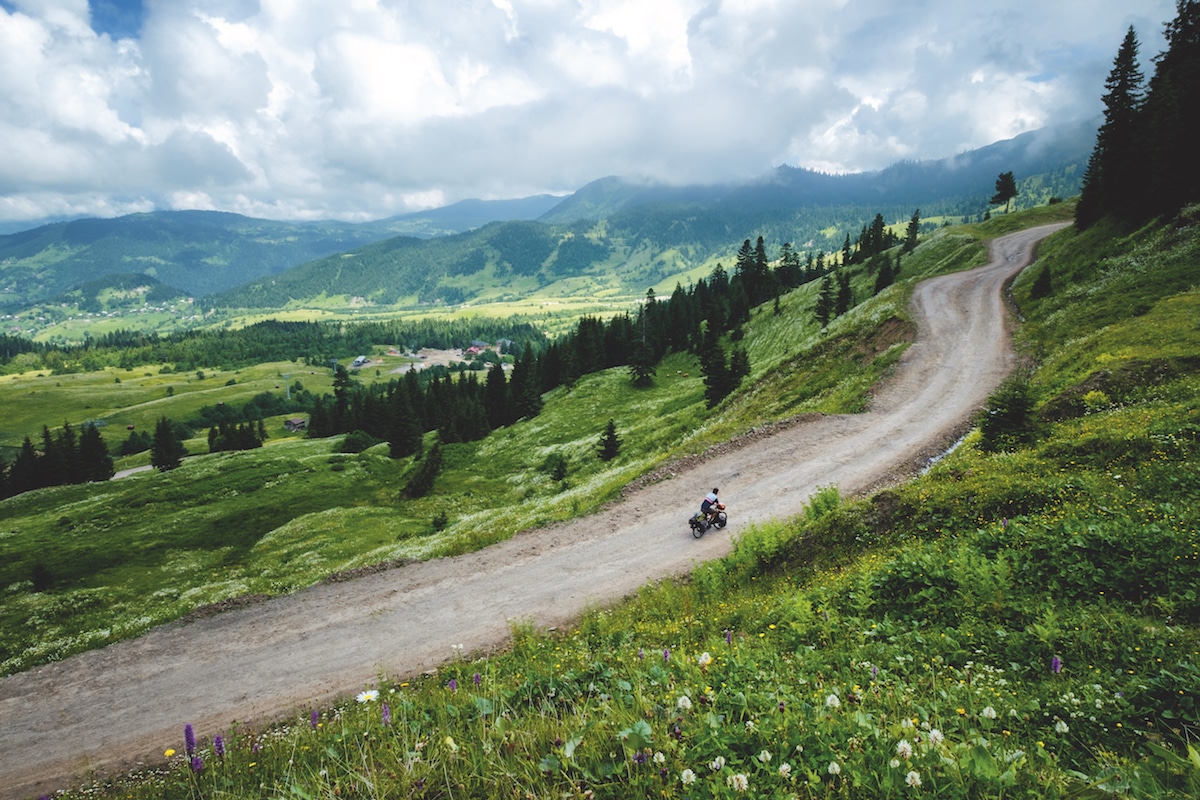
[[641, 366], [495, 401], [1115, 168], [1006, 190], [610, 443], [421, 483], [714, 368], [826, 299], [166, 450], [95, 462], [844, 295], [1169, 111], [912, 231]]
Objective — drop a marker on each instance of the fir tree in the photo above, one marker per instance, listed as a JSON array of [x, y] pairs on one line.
[[95, 463], [610, 443], [1006, 190], [912, 231], [166, 450], [421, 483]]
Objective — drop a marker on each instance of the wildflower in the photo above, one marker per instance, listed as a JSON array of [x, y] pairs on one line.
[[452, 685], [684, 703], [988, 713], [832, 701], [717, 763], [313, 719], [477, 678], [894, 763], [1056, 665], [782, 706], [835, 768], [367, 696], [765, 756], [451, 745], [785, 770], [729, 636], [904, 749], [219, 746], [170, 751], [197, 764], [739, 782], [1061, 726], [913, 779], [639, 758], [659, 758], [687, 777], [386, 713], [936, 737], [666, 654], [749, 726], [704, 660], [189, 740], [874, 672], [641, 654]]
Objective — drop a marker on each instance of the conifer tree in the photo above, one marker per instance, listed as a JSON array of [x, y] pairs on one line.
[[826, 300], [912, 231], [844, 295], [421, 483], [95, 462], [609, 445], [1115, 167], [166, 450], [1006, 190]]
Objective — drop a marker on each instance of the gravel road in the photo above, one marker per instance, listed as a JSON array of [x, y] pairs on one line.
[[120, 707]]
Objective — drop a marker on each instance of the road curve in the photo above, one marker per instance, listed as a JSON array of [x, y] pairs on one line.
[[116, 708]]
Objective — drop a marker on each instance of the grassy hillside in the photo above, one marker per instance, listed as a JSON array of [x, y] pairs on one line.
[[1017, 621], [293, 495]]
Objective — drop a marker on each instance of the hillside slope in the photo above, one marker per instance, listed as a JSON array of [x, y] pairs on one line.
[[264, 661]]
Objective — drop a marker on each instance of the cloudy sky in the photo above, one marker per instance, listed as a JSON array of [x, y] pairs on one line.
[[361, 109]]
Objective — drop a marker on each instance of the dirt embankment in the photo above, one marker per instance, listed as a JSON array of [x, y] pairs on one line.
[[122, 706]]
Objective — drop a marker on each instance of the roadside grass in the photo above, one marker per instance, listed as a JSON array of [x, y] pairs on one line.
[[933, 637]]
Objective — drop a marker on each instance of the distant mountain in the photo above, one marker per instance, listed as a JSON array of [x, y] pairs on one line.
[[944, 183], [612, 233], [465, 215], [615, 237], [200, 252]]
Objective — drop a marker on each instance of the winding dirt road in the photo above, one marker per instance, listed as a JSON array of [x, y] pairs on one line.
[[115, 708]]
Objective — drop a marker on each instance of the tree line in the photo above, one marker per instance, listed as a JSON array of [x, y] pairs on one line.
[[1144, 164], [466, 408]]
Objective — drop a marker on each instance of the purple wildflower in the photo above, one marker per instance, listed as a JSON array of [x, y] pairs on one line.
[[639, 758], [477, 678], [452, 685], [1056, 665], [189, 739], [666, 654], [678, 734], [641, 654], [782, 706], [558, 742], [729, 636], [313, 719], [219, 746], [197, 764], [874, 672], [387, 714]]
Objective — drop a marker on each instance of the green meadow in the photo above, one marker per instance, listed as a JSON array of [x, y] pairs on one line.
[[1020, 620]]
